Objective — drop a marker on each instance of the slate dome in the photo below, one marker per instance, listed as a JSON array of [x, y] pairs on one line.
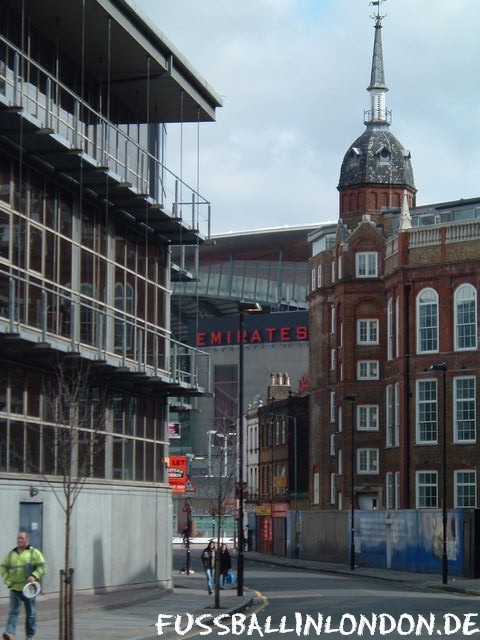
[[376, 157]]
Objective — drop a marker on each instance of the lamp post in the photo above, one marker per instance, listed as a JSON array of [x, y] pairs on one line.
[[351, 399], [295, 474], [188, 508], [243, 307], [443, 368]]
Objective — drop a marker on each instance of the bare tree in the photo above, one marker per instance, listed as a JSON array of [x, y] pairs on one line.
[[75, 447], [220, 491]]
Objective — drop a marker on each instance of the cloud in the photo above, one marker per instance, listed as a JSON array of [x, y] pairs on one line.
[[293, 76]]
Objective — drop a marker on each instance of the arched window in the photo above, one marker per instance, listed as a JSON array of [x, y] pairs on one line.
[[427, 321], [465, 317]]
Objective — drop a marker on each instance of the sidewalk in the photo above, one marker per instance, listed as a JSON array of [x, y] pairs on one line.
[[468, 586], [132, 613]]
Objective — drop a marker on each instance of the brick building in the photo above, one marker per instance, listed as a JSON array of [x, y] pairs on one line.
[[393, 333]]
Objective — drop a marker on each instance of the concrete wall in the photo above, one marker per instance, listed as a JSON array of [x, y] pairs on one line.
[[121, 535]]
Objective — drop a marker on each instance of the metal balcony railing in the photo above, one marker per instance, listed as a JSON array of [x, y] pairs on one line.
[[53, 106], [71, 322]]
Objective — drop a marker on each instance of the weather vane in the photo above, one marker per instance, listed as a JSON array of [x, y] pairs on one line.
[[377, 3]]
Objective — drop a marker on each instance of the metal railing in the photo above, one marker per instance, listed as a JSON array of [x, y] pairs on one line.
[[73, 322], [25, 84]]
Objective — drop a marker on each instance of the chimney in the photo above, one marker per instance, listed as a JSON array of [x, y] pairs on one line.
[[279, 387]]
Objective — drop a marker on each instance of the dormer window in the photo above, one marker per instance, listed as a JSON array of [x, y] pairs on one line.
[[384, 156]]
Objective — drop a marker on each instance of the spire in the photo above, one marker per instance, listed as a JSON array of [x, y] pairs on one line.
[[405, 218], [377, 88]]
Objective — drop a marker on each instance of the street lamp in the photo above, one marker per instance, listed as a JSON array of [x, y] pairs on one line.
[[443, 368], [188, 508], [243, 307], [351, 399]]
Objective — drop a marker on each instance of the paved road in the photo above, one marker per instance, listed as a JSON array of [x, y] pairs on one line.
[[296, 594]]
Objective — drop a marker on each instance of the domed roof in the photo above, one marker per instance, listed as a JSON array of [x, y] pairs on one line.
[[376, 157]]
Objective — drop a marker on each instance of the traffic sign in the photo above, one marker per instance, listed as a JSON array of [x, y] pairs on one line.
[[190, 487]]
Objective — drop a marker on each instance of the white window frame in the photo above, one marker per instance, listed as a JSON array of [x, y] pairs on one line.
[[340, 419], [368, 370], [462, 297], [367, 414], [368, 327], [313, 281], [421, 482], [396, 414], [340, 267], [316, 488], [333, 491], [333, 316], [366, 264], [464, 405], [340, 462], [389, 490], [368, 461], [332, 406], [332, 444], [427, 325], [390, 329], [397, 489], [389, 415], [334, 266], [319, 276], [397, 327], [333, 359], [460, 482], [421, 406]]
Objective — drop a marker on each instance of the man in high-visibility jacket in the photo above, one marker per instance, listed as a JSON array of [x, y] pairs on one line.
[[21, 565]]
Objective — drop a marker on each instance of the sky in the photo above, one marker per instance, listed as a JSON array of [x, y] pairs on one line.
[[292, 75]]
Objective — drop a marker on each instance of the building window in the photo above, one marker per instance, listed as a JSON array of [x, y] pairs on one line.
[[366, 264], [367, 369], [333, 492], [367, 417], [396, 415], [332, 359], [332, 406], [426, 489], [333, 271], [426, 411], [367, 331], [332, 444], [316, 488], [389, 415], [340, 344], [465, 305], [340, 267], [340, 462], [427, 321], [367, 461], [319, 275], [397, 327], [397, 489], [465, 409], [340, 418], [313, 280], [332, 319], [389, 490], [390, 329], [465, 488]]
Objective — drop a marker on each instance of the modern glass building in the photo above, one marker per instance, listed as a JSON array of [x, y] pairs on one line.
[[89, 212]]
